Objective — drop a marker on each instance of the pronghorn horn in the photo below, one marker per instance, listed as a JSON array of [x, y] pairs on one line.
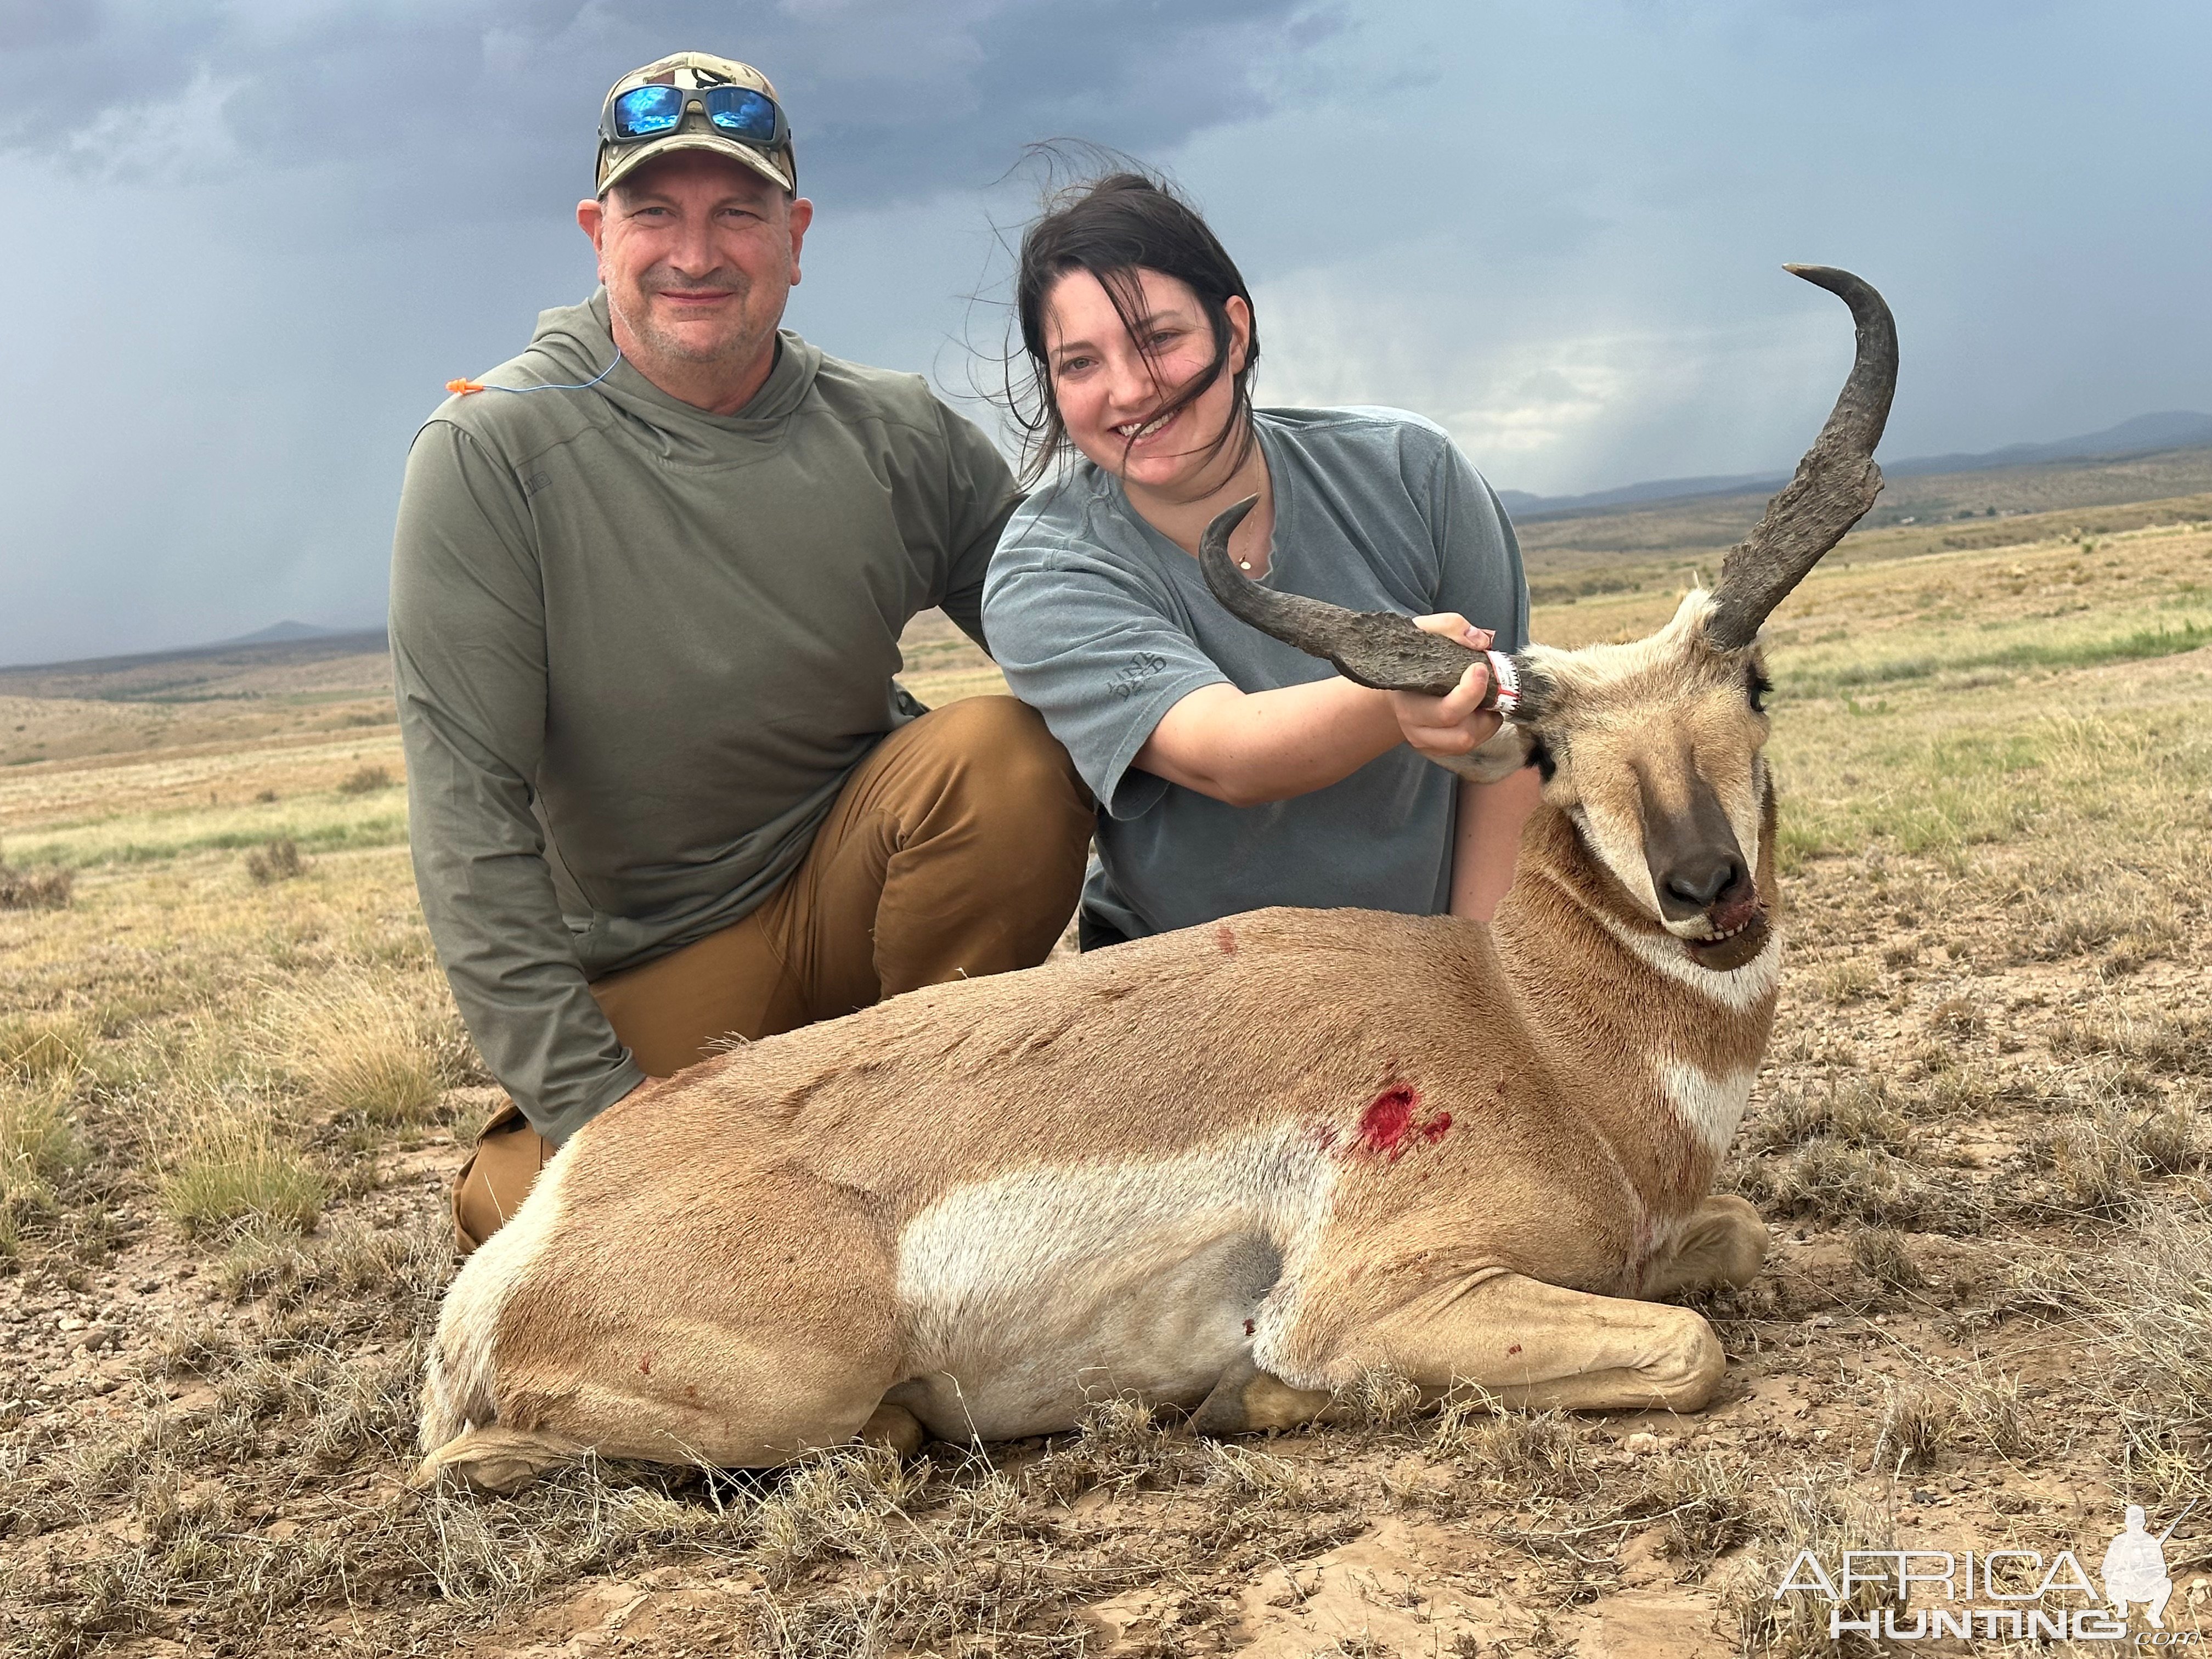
[[1377, 649], [1836, 482]]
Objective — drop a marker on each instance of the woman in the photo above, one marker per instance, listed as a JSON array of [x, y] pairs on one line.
[[1233, 771]]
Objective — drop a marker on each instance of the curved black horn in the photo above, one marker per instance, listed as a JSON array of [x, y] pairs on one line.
[[1836, 482], [1377, 649]]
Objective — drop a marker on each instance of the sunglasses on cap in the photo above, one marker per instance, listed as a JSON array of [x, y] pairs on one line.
[[654, 111]]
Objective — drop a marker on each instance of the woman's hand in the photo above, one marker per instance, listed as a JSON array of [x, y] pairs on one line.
[[1454, 724]]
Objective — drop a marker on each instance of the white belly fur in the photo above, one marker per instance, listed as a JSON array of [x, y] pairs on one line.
[[1029, 1296]]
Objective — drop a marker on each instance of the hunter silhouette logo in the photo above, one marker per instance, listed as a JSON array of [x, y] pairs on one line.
[[2135, 1567], [1995, 1593]]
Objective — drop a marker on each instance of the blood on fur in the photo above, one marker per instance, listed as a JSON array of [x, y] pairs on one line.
[[1387, 1127]]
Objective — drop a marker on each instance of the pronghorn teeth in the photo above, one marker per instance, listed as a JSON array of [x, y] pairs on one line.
[[1722, 938]]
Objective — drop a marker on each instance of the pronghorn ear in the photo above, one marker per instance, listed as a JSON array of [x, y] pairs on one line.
[[1506, 753]]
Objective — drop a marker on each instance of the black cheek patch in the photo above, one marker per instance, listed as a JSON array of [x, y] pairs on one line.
[[1539, 756]]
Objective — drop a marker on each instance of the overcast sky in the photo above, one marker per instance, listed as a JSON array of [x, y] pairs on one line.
[[250, 240]]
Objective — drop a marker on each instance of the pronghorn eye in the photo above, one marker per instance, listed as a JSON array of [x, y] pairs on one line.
[[1539, 756], [1756, 685]]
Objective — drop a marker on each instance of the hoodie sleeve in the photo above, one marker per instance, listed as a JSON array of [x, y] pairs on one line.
[[468, 653], [980, 496]]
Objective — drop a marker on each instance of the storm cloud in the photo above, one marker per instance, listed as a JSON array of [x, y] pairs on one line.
[[248, 241]]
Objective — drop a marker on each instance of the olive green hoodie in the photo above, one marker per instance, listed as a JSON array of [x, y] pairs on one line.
[[638, 648]]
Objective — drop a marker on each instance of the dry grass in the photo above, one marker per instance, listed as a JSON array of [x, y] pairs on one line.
[[1885, 1256], [1515, 1454], [366, 1047], [365, 781], [230, 1166], [1824, 1516], [38, 1148], [2155, 1304], [1852, 1111], [34, 1046], [1704, 1504], [275, 860], [1840, 1185], [49, 887]]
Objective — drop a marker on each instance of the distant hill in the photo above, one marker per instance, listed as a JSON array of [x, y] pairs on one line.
[[218, 695], [1942, 503], [282, 633], [2144, 434], [189, 666]]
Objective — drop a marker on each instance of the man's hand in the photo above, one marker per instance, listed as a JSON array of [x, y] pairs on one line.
[[1451, 725]]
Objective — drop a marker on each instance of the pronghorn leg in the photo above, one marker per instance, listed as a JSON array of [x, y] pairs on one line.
[[1724, 1243], [493, 1459], [685, 1324], [1249, 1400], [1535, 1345], [896, 1428]]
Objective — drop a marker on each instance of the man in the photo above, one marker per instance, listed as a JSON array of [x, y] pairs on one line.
[[645, 616]]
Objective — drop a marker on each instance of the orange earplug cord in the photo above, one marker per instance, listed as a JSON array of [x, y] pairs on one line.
[[462, 387]]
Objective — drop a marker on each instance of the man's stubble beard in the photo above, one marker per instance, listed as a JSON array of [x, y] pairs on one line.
[[740, 346]]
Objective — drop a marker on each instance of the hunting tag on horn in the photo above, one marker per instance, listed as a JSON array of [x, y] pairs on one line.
[[1231, 1169]]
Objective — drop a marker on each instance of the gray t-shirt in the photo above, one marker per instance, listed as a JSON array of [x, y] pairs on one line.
[[1103, 624]]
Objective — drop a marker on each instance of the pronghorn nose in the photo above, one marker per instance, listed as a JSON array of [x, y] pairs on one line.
[[1692, 855], [1698, 882]]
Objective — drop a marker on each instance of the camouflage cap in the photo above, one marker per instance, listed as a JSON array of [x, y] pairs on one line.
[[691, 70]]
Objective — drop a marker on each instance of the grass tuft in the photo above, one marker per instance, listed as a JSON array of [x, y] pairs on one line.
[[2097, 1165], [1917, 1425], [1853, 1112], [46, 887], [242, 1176], [2178, 1041], [37, 1147], [1525, 1454], [1826, 1181], [365, 781], [2155, 1306], [275, 860], [228, 1169], [1381, 1399], [1885, 1256], [1817, 1512], [363, 1047], [1923, 1423], [1703, 1503], [34, 1046]]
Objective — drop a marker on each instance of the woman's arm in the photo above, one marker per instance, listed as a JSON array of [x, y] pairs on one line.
[[1488, 836], [1250, 748]]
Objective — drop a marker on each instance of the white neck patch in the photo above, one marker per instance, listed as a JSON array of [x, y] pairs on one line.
[[1737, 990], [1709, 1105]]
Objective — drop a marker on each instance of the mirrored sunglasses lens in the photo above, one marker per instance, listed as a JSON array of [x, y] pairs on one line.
[[647, 110], [742, 112]]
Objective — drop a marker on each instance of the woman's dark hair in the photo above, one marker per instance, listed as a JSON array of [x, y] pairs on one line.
[[1114, 227]]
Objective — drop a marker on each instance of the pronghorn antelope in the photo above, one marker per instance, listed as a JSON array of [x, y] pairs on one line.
[[1228, 1169]]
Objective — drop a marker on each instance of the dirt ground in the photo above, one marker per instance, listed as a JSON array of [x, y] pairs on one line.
[[1978, 1141]]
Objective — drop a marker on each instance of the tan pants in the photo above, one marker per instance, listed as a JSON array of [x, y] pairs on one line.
[[955, 849]]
